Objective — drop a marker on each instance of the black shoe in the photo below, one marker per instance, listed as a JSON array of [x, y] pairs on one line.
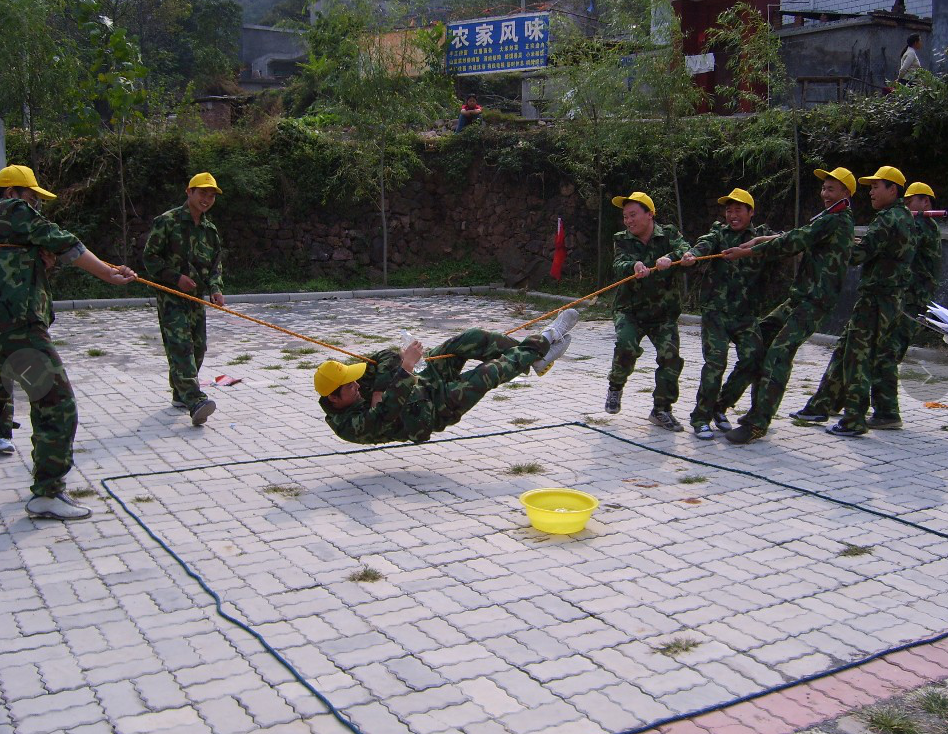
[[720, 421], [745, 434], [810, 417], [665, 419], [613, 400], [880, 423], [838, 429], [201, 412]]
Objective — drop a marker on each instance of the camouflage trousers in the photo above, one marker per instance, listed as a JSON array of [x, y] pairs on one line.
[[184, 334], [782, 332], [884, 396], [501, 359], [717, 333], [847, 382], [28, 358], [664, 337], [6, 413]]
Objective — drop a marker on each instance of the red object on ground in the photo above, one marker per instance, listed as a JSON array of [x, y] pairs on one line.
[[559, 253]]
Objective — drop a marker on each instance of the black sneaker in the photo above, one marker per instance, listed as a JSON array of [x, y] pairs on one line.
[[613, 400], [704, 432], [721, 422], [880, 423], [809, 417], [838, 429], [201, 412], [665, 419], [745, 434]]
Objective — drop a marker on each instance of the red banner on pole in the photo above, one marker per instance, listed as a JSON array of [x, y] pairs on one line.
[[559, 252]]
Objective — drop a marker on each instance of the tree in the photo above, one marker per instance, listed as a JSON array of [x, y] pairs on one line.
[[758, 75], [37, 63], [109, 95], [590, 104], [757, 71], [660, 84], [375, 85]]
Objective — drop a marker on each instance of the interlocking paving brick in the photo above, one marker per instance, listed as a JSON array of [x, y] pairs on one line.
[[472, 597]]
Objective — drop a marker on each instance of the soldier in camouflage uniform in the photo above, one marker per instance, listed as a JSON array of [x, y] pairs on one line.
[[728, 310], [27, 354], [649, 306], [386, 401], [184, 252], [826, 243], [926, 272], [885, 253]]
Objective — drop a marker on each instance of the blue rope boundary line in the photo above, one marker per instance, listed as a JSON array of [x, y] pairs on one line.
[[578, 424], [218, 604]]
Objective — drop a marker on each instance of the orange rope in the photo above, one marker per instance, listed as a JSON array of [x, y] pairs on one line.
[[579, 300], [206, 304], [173, 292]]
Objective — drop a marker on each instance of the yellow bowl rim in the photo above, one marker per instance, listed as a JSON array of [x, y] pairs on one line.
[[578, 492]]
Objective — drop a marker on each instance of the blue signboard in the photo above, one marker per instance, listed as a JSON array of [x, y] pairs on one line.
[[490, 45]]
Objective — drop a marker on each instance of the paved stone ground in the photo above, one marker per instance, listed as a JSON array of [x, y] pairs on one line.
[[481, 624]]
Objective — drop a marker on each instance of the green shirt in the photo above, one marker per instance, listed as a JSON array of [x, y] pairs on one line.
[[730, 287], [886, 251], [408, 410], [926, 265], [657, 297], [177, 246], [826, 244], [25, 296]]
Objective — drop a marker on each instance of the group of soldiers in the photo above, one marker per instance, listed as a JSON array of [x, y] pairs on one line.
[[183, 252], [900, 255], [383, 399]]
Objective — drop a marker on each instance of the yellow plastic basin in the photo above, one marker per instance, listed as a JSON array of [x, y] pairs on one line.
[[558, 511]]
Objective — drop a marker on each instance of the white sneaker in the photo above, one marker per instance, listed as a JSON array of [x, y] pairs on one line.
[[564, 322], [557, 350], [6, 446], [57, 507]]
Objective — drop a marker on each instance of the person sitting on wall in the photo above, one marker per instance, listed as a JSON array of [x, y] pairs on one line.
[[470, 112]]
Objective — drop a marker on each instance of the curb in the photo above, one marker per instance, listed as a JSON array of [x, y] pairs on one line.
[[824, 340]]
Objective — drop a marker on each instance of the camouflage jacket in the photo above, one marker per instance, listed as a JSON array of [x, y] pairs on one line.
[[926, 266], [176, 247], [657, 297], [826, 243], [25, 296], [886, 251], [729, 288], [412, 406]]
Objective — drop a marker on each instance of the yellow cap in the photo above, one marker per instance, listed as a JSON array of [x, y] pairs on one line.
[[740, 196], [332, 375], [843, 175], [204, 181], [917, 188], [636, 196], [23, 177], [885, 173]]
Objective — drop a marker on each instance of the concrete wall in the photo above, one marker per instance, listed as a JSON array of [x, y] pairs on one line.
[[866, 50], [261, 45]]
